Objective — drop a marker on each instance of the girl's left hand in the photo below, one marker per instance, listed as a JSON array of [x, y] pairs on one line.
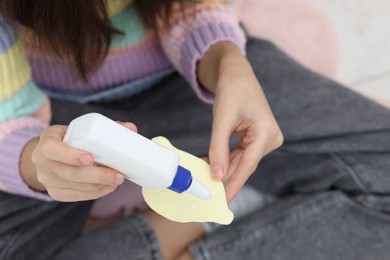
[[240, 107]]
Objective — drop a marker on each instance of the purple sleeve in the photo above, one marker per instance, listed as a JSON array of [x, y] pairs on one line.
[[189, 38], [11, 147]]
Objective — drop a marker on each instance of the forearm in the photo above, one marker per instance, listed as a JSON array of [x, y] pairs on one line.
[[219, 57], [27, 167]]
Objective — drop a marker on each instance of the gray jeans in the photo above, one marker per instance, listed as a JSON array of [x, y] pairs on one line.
[[331, 177]]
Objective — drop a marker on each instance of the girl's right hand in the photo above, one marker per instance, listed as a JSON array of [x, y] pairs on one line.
[[69, 174]]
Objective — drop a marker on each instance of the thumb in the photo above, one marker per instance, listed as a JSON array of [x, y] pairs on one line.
[[219, 148], [129, 126]]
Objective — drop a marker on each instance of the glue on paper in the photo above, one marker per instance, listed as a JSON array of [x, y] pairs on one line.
[[185, 207]]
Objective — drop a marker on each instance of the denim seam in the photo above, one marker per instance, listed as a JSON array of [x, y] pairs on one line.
[[146, 231], [8, 245], [291, 212], [367, 209], [348, 168], [198, 251]]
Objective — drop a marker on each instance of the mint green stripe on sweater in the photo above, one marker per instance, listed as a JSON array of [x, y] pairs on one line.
[[25, 102], [129, 22]]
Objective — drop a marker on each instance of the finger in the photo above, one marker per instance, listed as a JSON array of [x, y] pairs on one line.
[[53, 148], [89, 174], [52, 180], [206, 159], [246, 166], [235, 158], [219, 148], [129, 125], [68, 195]]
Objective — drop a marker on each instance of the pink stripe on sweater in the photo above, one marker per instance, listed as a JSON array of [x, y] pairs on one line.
[[10, 126]]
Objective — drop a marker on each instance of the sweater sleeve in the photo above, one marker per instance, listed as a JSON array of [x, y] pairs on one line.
[[191, 35], [22, 112]]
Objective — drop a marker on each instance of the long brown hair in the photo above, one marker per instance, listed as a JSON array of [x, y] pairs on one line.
[[77, 30]]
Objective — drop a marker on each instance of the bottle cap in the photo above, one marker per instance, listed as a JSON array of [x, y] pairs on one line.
[[182, 180]]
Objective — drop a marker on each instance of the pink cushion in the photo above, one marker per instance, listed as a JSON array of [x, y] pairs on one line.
[[298, 28]]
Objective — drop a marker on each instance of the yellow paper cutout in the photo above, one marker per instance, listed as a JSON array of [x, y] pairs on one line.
[[185, 207]]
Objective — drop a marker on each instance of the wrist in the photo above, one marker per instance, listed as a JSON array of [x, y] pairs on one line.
[[233, 71], [213, 66], [27, 168]]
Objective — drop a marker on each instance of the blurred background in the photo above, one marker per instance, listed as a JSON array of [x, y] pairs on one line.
[[347, 40]]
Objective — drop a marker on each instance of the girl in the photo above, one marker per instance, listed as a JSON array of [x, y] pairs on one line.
[[119, 58]]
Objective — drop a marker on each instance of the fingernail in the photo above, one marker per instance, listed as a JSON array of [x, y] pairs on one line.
[[119, 179], [217, 171], [132, 126], [86, 159]]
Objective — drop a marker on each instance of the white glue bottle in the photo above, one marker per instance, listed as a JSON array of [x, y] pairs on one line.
[[140, 160]]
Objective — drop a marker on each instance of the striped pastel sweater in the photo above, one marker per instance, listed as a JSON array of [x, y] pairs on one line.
[[140, 54]]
